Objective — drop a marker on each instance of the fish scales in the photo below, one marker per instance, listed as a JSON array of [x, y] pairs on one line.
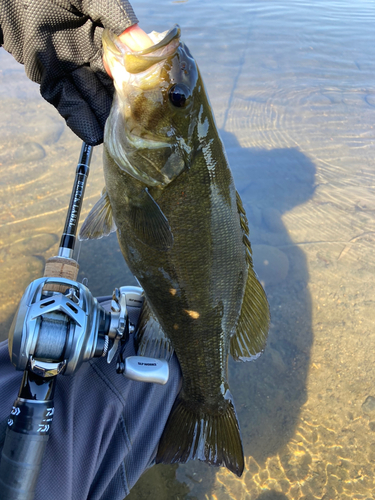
[[183, 232], [190, 270]]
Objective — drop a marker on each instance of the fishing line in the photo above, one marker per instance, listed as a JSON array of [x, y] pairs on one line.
[[78, 250], [237, 77]]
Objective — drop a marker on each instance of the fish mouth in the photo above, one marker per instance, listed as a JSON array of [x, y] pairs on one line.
[[137, 134], [147, 140], [165, 46]]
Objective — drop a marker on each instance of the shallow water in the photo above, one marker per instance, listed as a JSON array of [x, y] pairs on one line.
[[292, 86]]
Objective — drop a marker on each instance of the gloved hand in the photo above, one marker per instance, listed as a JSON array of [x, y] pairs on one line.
[[59, 42]]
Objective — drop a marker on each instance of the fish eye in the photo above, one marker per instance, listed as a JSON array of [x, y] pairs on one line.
[[178, 95]]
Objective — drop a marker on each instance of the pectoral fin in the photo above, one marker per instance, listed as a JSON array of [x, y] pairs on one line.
[[152, 341], [149, 223], [100, 220]]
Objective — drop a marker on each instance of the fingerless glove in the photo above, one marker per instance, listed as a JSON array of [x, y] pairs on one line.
[[59, 42]]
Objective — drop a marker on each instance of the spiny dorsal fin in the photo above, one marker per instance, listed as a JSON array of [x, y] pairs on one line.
[[250, 337], [245, 228], [151, 339], [150, 225], [240, 207], [100, 220]]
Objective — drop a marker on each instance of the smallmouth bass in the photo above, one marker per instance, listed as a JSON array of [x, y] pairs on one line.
[[183, 232]]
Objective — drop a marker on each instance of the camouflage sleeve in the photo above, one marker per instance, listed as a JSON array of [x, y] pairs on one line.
[[59, 42], [105, 430]]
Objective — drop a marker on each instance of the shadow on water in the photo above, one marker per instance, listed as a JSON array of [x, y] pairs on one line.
[[102, 263], [271, 183]]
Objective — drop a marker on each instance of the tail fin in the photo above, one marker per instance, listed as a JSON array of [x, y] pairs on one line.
[[212, 438]]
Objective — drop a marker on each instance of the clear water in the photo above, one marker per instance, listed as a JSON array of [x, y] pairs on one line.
[[292, 84]]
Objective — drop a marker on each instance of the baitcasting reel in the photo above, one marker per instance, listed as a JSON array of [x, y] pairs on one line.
[[54, 333]]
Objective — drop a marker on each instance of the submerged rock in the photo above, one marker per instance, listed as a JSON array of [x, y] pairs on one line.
[[369, 405], [30, 151]]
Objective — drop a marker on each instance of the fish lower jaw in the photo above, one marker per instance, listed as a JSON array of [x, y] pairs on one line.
[[139, 137], [146, 141]]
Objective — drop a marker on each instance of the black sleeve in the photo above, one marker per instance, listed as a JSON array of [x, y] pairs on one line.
[[105, 429], [59, 42]]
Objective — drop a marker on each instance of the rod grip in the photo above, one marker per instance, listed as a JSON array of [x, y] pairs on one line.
[[21, 460], [60, 267], [25, 441]]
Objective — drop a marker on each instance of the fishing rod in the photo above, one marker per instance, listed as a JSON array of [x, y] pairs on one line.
[[58, 326]]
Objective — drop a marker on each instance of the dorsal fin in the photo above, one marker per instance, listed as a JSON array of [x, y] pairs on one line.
[[249, 340]]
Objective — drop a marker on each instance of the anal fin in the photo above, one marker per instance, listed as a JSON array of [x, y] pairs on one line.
[[151, 339], [250, 338]]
